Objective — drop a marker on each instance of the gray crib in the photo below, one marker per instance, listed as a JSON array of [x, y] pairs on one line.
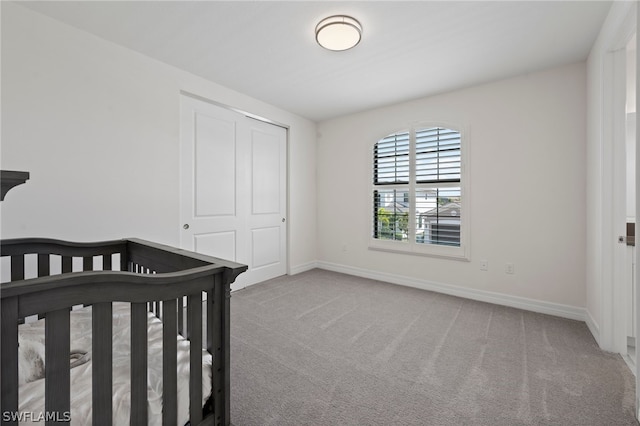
[[153, 278]]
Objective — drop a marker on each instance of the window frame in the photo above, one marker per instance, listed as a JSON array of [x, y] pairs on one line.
[[410, 246]]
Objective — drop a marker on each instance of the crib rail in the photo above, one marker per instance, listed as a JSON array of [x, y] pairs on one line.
[[145, 274]]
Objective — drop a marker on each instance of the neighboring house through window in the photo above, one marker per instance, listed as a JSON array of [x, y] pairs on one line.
[[418, 193]]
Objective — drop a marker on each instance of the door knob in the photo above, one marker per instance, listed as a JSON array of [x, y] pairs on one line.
[[185, 226]]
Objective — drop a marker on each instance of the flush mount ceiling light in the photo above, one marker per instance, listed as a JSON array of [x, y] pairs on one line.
[[339, 32]]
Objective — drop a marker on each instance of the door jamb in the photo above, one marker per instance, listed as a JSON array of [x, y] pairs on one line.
[[612, 329]]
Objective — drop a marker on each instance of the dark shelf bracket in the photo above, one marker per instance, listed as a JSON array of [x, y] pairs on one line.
[[11, 178]]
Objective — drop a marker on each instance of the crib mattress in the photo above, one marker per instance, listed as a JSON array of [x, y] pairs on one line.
[[31, 395]]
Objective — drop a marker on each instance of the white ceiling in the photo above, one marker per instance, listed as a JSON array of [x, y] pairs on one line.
[[266, 49]]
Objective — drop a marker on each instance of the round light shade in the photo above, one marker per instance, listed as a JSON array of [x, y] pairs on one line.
[[338, 32]]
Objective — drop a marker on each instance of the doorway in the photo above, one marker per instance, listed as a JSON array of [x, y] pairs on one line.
[[233, 189]]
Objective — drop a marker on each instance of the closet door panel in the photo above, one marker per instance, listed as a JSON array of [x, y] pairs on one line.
[[233, 189]]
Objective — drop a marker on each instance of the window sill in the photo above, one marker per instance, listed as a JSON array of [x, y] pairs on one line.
[[442, 252]]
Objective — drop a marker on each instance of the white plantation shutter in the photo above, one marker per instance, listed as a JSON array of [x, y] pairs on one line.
[[417, 187], [391, 160], [390, 213], [438, 211], [437, 155]]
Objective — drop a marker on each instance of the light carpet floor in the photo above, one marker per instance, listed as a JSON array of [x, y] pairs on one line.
[[322, 348]]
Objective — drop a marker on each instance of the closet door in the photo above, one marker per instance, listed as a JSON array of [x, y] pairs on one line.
[[233, 189]]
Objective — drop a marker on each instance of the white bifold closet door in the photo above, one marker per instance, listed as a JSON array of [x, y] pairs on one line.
[[233, 189]]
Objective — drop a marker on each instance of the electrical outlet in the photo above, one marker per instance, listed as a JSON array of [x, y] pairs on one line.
[[484, 265], [510, 269]]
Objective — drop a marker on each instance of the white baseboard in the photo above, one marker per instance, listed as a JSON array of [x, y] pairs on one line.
[[593, 326], [303, 268], [556, 309]]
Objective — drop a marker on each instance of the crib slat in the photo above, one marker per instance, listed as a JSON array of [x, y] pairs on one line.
[[87, 263], [102, 354], [9, 357], [106, 263], [43, 265], [181, 316], [17, 267], [124, 262], [57, 382], [209, 324], [169, 362], [138, 364], [67, 264], [194, 330]]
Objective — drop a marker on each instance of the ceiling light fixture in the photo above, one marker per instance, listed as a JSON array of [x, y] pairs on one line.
[[338, 32]]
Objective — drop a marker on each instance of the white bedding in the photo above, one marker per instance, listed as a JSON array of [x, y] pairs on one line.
[[31, 395]]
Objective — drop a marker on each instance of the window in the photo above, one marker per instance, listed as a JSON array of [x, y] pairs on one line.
[[418, 193]]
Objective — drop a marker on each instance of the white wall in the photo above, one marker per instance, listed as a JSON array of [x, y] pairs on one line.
[[527, 191], [97, 126]]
